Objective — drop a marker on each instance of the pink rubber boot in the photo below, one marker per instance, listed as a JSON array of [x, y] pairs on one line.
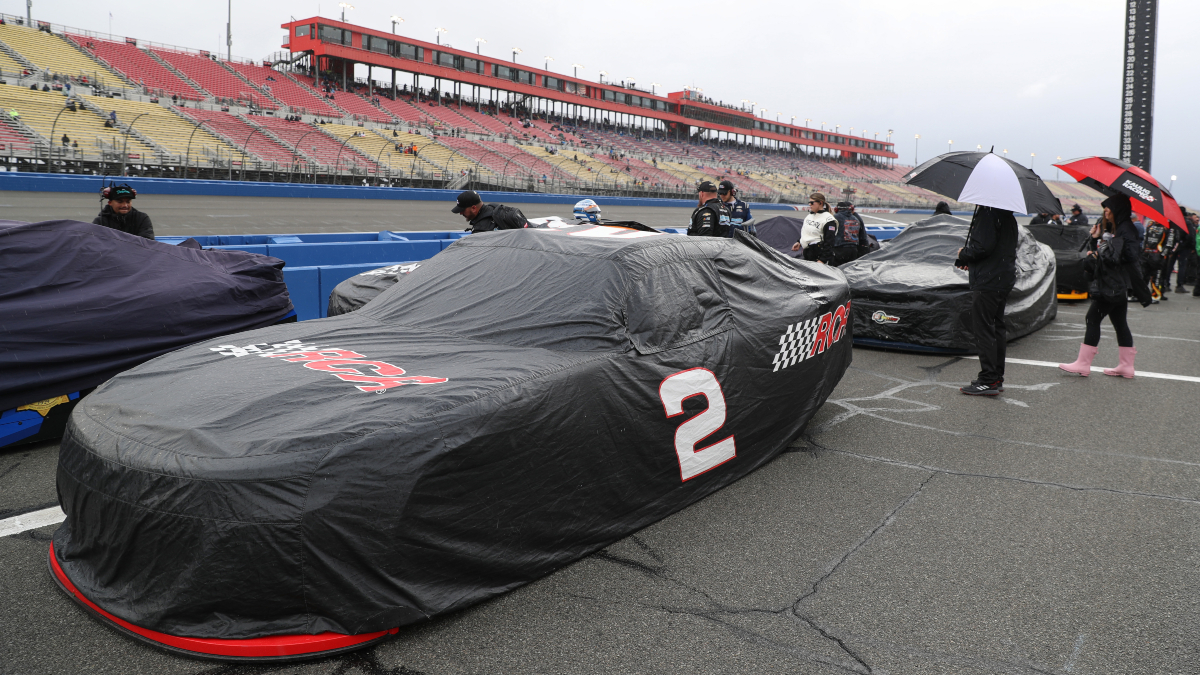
[[1083, 364], [1126, 367]]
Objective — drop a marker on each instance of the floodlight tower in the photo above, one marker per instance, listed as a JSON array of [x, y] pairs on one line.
[[1137, 93]]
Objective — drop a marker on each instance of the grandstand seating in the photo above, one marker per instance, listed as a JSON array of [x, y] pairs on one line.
[[57, 55], [352, 102], [164, 127], [414, 164], [451, 116], [450, 159], [378, 145], [403, 110], [284, 89], [494, 162], [11, 66], [12, 136], [489, 123], [535, 166], [38, 110], [138, 66], [215, 79], [598, 169], [237, 131], [314, 143]]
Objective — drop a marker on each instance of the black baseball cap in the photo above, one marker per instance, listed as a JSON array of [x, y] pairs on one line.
[[465, 200], [706, 186], [726, 187], [1075, 207], [844, 205]]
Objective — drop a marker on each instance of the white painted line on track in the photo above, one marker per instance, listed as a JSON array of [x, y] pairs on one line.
[[31, 521], [1100, 369]]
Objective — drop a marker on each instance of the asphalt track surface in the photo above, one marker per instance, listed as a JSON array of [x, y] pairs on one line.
[[188, 216], [911, 529]]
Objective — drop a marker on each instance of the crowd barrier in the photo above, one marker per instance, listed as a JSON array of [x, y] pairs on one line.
[[20, 181]]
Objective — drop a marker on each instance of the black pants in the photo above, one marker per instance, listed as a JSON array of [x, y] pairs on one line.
[[1164, 275], [1115, 309], [844, 254], [991, 335]]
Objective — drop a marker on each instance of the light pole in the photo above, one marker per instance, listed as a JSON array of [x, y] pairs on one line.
[[244, 146], [50, 159], [125, 146], [1058, 172], [654, 88], [515, 51], [917, 151], [395, 20], [1006, 153], [188, 154], [1031, 156], [602, 74], [575, 69], [1168, 187], [345, 6], [438, 32], [950, 146], [479, 41], [548, 60]]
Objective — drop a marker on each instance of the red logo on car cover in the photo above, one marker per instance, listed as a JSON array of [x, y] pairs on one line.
[[376, 376], [806, 339]]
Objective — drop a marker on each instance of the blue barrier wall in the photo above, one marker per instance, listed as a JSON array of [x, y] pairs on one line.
[[41, 182]]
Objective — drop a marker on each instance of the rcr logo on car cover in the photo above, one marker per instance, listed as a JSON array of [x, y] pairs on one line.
[[376, 376], [1140, 190], [392, 269], [885, 318], [806, 339]]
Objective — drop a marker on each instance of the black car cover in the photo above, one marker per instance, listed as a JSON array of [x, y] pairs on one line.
[[360, 289], [80, 303], [910, 293], [1067, 243], [524, 398], [780, 233]]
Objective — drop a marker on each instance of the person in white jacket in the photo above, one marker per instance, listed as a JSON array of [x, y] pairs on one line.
[[817, 234]]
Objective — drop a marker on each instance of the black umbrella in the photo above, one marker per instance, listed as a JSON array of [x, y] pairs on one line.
[[986, 179]]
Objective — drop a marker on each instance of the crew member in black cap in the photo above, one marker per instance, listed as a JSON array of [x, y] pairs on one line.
[[847, 240], [488, 217], [119, 213], [711, 217], [1077, 217], [739, 211]]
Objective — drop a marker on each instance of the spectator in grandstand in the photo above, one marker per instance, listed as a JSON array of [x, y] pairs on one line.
[[119, 213], [66, 141], [818, 231], [711, 217], [1077, 217], [1112, 256], [942, 208], [488, 217], [739, 211], [112, 116], [13, 114], [989, 255]]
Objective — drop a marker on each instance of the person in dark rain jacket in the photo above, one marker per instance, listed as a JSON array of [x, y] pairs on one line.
[[990, 257], [119, 213], [1112, 267]]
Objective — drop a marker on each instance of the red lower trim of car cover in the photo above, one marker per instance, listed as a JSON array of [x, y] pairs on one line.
[[271, 646]]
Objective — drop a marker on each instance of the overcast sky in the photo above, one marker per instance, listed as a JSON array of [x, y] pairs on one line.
[[1029, 76]]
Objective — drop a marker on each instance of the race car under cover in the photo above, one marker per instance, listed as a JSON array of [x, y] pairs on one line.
[[523, 399], [909, 295], [362, 288], [1067, 243], [80, 303]]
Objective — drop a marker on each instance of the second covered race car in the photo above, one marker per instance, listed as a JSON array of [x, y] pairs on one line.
[[910, 296], [524, 398]]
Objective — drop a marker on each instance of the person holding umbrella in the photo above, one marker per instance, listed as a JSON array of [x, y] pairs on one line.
[[998, 187], [1112, 257]]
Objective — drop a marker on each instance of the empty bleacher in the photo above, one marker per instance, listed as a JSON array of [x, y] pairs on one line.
[[314, 143], [237, 131], [164, 127], [215, 79], [56, 55], [284, 89], [138, 67], [39, 109], [403, 110]]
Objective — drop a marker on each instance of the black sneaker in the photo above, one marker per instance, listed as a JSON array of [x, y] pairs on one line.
[[981, 389], [1180, 289]]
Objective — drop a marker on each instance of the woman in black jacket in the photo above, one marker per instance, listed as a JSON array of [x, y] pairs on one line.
[[1111, 266]]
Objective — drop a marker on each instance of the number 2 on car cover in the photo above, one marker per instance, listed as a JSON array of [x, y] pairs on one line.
[[684, 385]]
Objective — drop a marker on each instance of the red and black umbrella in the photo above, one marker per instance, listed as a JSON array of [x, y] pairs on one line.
[[1112, 176]]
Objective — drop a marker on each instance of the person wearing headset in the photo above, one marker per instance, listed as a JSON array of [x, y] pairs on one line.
[[119, 213], [739, 211]]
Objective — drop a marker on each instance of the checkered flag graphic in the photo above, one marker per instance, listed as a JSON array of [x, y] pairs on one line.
[[795, 344]]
